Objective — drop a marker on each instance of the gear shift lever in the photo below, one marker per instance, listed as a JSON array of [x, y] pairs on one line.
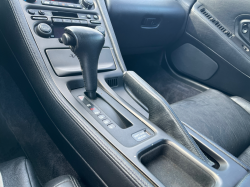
[[86, 43]]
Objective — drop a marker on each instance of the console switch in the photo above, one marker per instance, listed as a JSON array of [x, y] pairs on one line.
[[141, 135], [62, 4]]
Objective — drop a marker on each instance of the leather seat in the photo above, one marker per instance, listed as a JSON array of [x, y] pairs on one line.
[[19, 173], [222, 119]]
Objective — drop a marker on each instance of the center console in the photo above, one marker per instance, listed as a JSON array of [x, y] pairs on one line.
[[126, 111]]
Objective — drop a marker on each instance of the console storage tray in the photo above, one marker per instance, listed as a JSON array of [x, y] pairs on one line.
[[173, 168]]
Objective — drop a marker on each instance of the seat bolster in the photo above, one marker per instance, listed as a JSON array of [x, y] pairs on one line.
[[245, 181], [217, 117], [18, 172], [245, 157], [242, 102], [63, 181]]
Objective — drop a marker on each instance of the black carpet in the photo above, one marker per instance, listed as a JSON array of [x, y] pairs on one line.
[[148, 68], [9, 147], [21, 134]]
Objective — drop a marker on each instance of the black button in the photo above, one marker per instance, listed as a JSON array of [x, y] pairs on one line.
[[62, 4], [84, 22], [101, 116], [95, 110], [41, 12], [57, 20], [77, 6], [32, 12], [141, 135], [75, 21], [83, 16], [44, 28], [89, 16], [66, 20], [54, 3], [95, 22], [106, 121], [46, 2], [95, 17], [39, 18], [111, 126], [70, 5]]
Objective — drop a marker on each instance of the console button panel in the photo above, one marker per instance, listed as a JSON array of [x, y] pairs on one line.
[[62, 4], [99, 115], [101, 111], [58, 20]]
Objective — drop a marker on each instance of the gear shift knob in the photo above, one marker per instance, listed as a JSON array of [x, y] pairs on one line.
[[86, 43]]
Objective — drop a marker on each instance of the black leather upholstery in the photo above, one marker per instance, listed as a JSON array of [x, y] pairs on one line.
[[217, 117], [245, 157], [245, 181], [63, 181], [242, 102], [18, 172]]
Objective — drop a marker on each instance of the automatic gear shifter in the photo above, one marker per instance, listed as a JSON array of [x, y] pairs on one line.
[[87, 44]]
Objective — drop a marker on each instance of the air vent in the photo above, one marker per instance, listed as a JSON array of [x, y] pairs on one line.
[[113, 82], [216, 22]]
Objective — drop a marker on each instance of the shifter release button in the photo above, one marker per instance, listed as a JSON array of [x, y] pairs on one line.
[[141, 135]]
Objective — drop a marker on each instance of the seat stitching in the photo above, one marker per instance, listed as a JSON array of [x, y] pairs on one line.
[[25, 163], [243, 180], [73, 181], [67, 180], [218, 147]]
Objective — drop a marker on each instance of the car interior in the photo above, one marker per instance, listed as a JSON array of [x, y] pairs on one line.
[[124, 93]]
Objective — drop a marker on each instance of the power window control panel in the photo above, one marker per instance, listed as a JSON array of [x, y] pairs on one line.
[[244, 30]]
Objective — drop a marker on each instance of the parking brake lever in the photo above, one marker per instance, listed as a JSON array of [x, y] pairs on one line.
[[161, 114]]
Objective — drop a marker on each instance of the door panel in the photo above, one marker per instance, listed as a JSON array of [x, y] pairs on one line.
[[216, 34]]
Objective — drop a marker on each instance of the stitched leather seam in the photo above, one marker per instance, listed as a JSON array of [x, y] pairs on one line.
[[25, 163], [67, 180], [73, 181], [218, 147], [121, 165], [163, 104], [243, 180]]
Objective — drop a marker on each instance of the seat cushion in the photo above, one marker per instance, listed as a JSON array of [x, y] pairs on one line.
[[217, 117], [242, 102], [63, 181], [245, 157], [18, 172]]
